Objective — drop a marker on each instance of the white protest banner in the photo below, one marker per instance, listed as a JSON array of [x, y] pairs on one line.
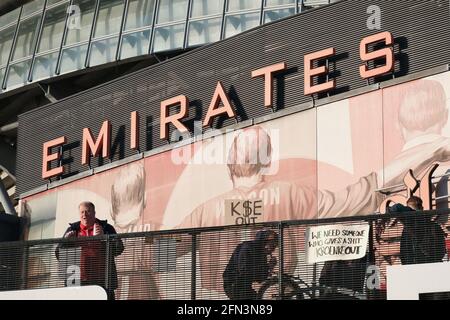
[[336, 242]]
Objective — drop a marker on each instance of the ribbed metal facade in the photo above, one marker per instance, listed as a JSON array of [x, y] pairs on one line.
[[420, 29]]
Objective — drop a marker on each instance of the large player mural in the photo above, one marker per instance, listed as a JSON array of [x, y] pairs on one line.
[[329, 161]]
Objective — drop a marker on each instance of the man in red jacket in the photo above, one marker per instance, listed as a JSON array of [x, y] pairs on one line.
[[93, 256]]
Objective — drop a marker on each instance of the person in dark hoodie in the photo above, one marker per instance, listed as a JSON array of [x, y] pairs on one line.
[[422, 240], [93, 253], [251, 262]]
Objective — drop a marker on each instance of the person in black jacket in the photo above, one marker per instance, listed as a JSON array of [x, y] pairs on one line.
[[93, 256], [422, 240], [251, 262]]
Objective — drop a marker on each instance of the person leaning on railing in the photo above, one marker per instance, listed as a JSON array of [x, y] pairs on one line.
[[93, 253], [422, 240], [250, 264]]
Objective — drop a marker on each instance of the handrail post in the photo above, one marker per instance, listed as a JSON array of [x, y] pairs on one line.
[[107, 264], [194, 266], [314, 281], [25, 256], [281, 258]]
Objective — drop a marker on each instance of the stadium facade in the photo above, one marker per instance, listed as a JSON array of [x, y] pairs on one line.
[[332, 113]]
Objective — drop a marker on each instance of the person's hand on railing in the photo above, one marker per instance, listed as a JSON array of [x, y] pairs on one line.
[[70, 234], [256, 286]]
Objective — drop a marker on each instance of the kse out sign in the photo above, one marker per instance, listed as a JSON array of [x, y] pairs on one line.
[[238, 211]]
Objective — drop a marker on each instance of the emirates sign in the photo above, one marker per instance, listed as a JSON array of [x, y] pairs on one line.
[[220, 103]]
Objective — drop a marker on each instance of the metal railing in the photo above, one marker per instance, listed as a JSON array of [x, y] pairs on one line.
[[189, 263]]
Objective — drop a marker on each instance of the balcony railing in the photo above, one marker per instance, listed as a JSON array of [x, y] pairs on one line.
[[189, 264]]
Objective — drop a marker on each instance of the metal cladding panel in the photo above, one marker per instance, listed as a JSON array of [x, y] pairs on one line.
[[420, 29]]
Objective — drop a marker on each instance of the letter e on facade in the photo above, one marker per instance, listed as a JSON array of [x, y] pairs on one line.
[[310, 72], [47, 157]]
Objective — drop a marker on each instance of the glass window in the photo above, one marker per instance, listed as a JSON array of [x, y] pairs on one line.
[[32, 7], [234, 5], [140, 14], [6, 39], [241, 22], [279, 2], [52, 2], [170, 37], [73, 59], [103, 51], [80, 21], [109, 18], [315, 3], [53, 28], [26, 37], [135, 44], [274, 15], [10, 17], [206, 7], [44, 66], [172, 10], [204, 31], [2, 73], [18, 74]]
